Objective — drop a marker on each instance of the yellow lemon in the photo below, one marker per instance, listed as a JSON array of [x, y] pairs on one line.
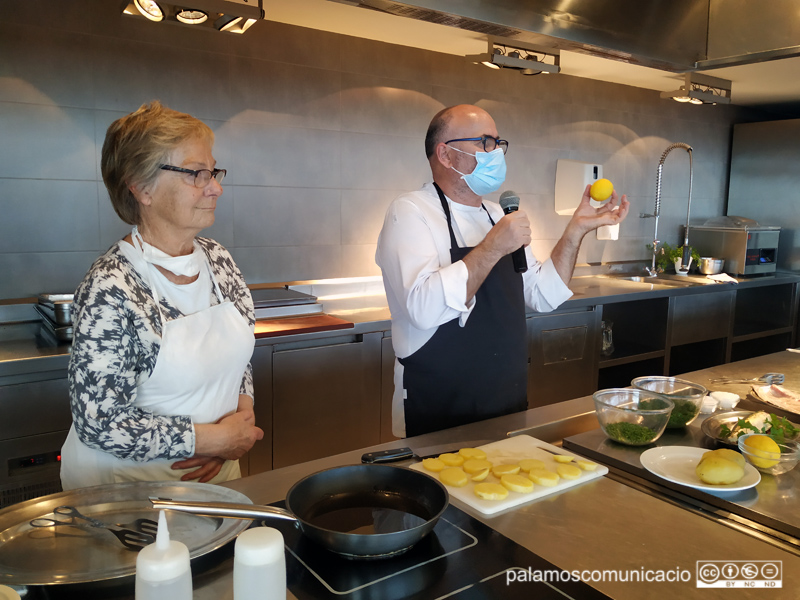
[[490, 491], [481, 475], [454, 476], [517, 483], [500, 470], [601, 190], [433, 464], [468, 453], [528, 464], [765, 447], [476, 465], [452, 460]]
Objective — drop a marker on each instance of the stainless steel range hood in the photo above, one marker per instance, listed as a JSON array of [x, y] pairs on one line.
[[678, 36]]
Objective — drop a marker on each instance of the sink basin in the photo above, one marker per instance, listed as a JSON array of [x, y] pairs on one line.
[[662, 280], [651, 280]]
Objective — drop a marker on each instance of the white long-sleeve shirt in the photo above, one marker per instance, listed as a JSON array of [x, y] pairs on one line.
[[424, 289]]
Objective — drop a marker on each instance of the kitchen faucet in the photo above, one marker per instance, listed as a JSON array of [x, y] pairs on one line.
[[687, 251]]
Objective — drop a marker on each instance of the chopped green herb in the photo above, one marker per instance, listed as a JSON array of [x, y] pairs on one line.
[[684, 411], [630, 433]]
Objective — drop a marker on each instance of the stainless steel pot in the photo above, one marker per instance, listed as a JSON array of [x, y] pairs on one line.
[[711, 266]]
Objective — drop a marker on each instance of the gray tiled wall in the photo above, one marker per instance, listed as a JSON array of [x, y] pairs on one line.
[[318, 131]]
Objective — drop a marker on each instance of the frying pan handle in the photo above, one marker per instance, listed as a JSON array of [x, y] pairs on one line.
[[223, 509]]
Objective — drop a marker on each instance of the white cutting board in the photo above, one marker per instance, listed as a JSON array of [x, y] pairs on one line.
[[511, 451]]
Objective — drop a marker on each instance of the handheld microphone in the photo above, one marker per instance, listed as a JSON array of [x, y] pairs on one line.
[[509, 202]]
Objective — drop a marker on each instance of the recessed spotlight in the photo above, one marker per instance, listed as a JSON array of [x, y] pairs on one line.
[[191, 17], [149, 9]]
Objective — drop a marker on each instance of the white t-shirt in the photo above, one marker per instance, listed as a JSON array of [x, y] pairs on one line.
[[424, 290]]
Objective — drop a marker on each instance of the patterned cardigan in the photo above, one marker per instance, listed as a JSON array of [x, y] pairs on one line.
[[116, 340]]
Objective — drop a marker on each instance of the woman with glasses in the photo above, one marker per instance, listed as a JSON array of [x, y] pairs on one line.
[[160, 380]]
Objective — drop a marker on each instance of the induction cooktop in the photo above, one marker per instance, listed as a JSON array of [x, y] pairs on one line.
[[461, 558]]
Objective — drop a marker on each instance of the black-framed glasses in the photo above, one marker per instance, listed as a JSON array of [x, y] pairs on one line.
[[201, 176], [489, 143]]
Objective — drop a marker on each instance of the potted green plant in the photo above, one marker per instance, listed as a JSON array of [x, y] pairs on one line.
[[666, 256]]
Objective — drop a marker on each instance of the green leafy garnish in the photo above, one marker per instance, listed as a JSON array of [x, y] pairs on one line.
[[780, 428], [745, 425], [776, 427]]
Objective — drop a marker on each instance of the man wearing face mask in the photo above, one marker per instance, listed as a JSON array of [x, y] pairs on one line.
[[457, 303]]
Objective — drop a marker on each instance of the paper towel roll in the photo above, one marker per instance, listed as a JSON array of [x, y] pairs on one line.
[[608, 232]]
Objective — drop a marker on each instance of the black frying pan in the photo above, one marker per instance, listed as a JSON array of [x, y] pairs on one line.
[[359, 511]]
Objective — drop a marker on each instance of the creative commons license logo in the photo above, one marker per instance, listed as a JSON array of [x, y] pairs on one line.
[[739, 573]]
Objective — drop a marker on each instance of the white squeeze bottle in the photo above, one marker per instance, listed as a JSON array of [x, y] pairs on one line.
[[162, 568], [259, 565]]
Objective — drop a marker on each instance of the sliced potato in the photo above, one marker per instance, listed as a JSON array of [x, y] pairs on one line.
[[544, 477], [481, 475], [468, 453], [527, 464], [568, 471], [454, 476], [586, 465], [452, 460], [562, 458], [490, 491], [476, 465], [500, 470], [517, 483], [433, 464]]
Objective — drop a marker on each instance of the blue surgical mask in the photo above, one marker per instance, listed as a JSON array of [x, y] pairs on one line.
[[488, 175]]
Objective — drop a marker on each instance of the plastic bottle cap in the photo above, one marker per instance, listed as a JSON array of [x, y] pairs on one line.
[[7, 593], [259, 546], [165, 559]]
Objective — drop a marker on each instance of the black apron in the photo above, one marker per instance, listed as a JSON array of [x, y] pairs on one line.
[[475, 372]]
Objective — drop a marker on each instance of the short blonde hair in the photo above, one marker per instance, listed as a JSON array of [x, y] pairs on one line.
[[136, 146]]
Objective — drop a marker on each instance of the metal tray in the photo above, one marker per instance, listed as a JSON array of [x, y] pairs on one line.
[[714, 423], [61, 333], [267, 297], [68, 555]]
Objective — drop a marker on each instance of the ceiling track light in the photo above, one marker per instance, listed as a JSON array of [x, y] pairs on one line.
[[699, 88], [528, 59], [210, 14], [233, 24]]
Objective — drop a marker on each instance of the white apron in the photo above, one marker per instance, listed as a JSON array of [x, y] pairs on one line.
[[198, 373]]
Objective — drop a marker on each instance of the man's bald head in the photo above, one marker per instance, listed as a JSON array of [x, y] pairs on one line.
[[448, 120]]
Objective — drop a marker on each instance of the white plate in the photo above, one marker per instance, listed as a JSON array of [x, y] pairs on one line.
[[677, 464]]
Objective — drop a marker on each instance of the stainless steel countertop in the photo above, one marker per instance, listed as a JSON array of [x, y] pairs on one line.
[[23, 351], [601, 525], [605, 524]]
